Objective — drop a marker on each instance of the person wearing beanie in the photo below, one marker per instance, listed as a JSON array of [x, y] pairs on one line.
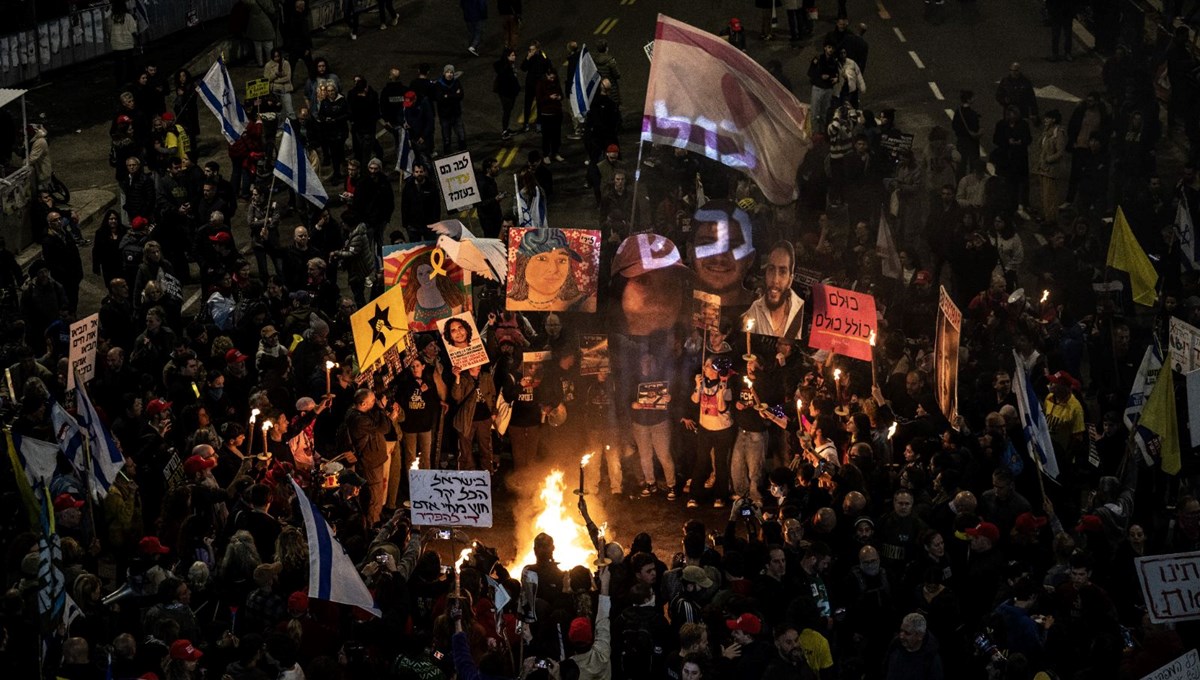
[[592, 645], [448, 96]]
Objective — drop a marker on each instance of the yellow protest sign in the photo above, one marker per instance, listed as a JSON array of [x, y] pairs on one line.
[[379, 326], [259, 87]]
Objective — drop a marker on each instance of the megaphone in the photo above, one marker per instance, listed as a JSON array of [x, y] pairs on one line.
[[117, 595]]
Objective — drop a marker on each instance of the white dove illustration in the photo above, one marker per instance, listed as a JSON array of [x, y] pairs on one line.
[[487, 257]]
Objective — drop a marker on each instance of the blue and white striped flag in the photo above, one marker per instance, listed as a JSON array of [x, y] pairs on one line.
[[1033, 420], [584, 83], [107, 460], [292, 166], [331, 574], [220, 96], [141, 14], [530, 215], [67, 434], [406, 155]]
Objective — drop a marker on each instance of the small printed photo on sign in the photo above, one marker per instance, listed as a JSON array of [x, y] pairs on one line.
[[553, 270], [593, 351], [462, 341], [653, 396], [707, 312], [427, 299]]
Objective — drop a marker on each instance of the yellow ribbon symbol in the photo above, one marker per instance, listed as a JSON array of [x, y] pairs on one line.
[[437, 258]]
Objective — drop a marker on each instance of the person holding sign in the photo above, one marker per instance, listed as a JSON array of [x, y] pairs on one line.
[[715, 432], [475, 393]]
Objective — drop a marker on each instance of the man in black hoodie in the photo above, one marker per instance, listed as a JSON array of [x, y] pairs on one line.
[[364, 118]]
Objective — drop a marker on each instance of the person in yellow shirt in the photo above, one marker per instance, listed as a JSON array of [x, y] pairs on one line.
[[176, 139], [1064, 414]]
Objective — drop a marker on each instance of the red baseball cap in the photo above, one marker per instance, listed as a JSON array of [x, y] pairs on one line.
[[139, 222], [64, 501], [185, 651], [150, 545], [985, 529], [642, 253], [580, 632], [221, 237], [298, 601], [168, 117], [1090, 523], [235, 356], [157, 406], [196, 464], [747, 623], [1028, 523], [1063, 378], [613, 148]]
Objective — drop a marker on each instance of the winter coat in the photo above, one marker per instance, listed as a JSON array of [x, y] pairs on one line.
[[39, 157], [122, 32], [261, 24], [851, 75], [358, 254], [279, 75], [548, 105], [449, 96], [463, 393], [506, 84], [1051, 159], [606, 66], [923, 664], [366, 431]]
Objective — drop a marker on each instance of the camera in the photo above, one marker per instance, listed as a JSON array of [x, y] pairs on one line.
[[747, 511], [987, 649], [542, 663], [382, 559], [443, 534]]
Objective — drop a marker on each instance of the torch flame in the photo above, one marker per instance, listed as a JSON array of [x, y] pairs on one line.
[[1045, 296], [891, 430], [587, 457], [416, 464], [254, 415], [837, 374], [463, 557], [799, 404], [329, 365], [746, 379], [572, 545], [872, 338], [267, 425], [749, 325]]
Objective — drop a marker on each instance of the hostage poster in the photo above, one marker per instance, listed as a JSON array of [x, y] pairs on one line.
[[462, 341], [949, 322], [428, 294], [593, 353], [553, 270]]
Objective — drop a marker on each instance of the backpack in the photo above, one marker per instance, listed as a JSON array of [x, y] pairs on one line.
[[637, 654]]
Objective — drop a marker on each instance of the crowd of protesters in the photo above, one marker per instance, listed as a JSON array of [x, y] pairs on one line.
[[869, 535]]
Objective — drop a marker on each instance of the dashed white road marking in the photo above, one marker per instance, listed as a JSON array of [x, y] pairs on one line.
[[883, 13], [937, 93], [899, 35], [916, 60]]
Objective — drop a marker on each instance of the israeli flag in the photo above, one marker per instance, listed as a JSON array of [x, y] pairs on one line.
[[67, 434], [531, 213], [406, 155], [141, 14], [331, 574], [1186, 231], [584, 83], [107, 460], [220, 96], [292, 166], [1033, 420], [1143, 385], [37, 458]]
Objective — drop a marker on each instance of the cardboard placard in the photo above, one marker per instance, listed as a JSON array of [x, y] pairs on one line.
[[707, 311], [259, 87], [1171, 586], [85, 336], [1186, 667], [458, 498], [949, 323], [842, 321], [1185, 346], [593, 351], [456, 176], [465, 348]]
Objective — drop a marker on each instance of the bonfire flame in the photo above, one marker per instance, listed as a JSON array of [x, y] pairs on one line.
[[572, 545]]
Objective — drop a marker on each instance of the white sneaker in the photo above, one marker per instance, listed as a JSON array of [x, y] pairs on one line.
[[559, 158], [353, 36], [1022, 214], [473, 51]]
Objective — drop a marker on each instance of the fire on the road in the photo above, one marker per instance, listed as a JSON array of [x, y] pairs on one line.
[[558, 518]]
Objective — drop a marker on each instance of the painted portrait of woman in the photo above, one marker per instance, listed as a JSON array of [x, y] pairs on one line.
[[429, 299], [542, 278]]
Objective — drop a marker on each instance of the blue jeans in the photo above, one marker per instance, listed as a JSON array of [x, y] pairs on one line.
[[460, 133], [749, 454]]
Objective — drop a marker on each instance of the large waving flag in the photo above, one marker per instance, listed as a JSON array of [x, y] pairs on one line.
[[106, 457], [1160, 417], [220, 96], [406, 155], [1125, 254], [1143, 385], [52, 592], [707, 96], [33, 462], [292, 166], [584, 83], [331, 574], [1033, 420], [530, 213], [67, 434]]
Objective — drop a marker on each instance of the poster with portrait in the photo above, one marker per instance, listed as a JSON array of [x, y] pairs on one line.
[[428, 294], [707, 312], [462, 341], [533, 365], [593, 354], [553, 270], [653, 396], [723, 252], [949, 323]]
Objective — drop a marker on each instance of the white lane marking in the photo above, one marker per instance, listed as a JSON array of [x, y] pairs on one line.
[[899, 35], [916, 60], [883, 13], [1084, 36], [937, 94]]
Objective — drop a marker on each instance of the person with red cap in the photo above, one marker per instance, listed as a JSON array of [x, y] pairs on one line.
[[607, 169], [1064, 416], [985, 570], [183, 661], [590, 647], [735, 34], [749, 651]]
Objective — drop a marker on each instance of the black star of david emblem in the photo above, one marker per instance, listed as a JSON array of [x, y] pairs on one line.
[[379, 322]]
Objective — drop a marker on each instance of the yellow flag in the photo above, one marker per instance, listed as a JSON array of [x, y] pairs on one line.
[[379, 326], [1125, 254], [1159, 417]]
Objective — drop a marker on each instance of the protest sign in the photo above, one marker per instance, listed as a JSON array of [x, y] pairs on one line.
[[949, 323], [893, 144], [552, 270], [842, 321], [85, 336], [593, 351], [427, 293], [1185, 346], [456, 175], [259, 87], [707, 311], [653, 396], [1171, 586], [1186, 667], [1193, 400], [378, 326], [460, 498], [462, 341]]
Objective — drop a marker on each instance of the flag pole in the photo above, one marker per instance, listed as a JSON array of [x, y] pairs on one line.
[[637, 177], [87, 459]]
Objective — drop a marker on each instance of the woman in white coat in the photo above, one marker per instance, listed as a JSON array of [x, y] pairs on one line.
[[852, 83]]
